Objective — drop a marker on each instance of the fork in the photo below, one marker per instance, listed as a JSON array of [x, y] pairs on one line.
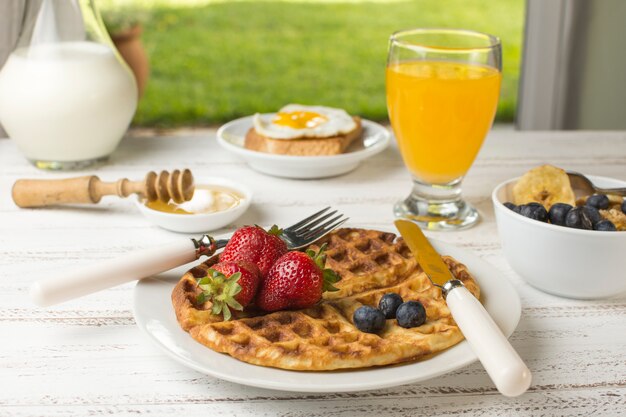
[[72, 283]]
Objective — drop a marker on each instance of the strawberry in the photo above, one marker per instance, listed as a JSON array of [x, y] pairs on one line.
[[296, 280], [253, 244], [229, 284]]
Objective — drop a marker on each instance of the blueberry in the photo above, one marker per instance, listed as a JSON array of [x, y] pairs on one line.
[[592, 213], [599, 201], [411, 314], [369, 319], [578, 219], [534, 211], [558, 212], [624, 206], [389, 303], [534, 205], [510, 206], [604, 226]]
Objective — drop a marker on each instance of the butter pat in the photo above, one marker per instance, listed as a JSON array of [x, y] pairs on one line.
[[206, 199]]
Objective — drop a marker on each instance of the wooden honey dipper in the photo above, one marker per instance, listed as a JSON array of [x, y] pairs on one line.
[[178, 186]]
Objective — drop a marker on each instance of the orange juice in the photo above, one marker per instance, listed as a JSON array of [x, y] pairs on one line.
[[441, 112]]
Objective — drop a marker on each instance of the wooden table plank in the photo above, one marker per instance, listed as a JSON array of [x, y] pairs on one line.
[[86, 357]]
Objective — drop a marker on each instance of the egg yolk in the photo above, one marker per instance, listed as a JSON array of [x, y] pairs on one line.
[[299, 119]]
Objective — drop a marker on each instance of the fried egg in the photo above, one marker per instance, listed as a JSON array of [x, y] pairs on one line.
[[296, 121]]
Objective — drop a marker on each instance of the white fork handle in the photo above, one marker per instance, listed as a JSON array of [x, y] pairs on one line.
[[67, 284], [506, 369]]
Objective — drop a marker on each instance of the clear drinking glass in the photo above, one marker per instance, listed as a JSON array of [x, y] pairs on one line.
[[66, 96], [442, 92]]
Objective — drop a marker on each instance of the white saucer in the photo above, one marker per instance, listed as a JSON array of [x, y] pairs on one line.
[[375, 139], [154, 314]]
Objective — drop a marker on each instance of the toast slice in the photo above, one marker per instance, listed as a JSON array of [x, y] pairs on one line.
[[333, 145]]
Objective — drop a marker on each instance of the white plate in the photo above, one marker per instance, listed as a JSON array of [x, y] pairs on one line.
[[375, 139], [154, 314]]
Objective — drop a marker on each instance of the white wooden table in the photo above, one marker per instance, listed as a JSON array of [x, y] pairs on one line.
[[87, 357]]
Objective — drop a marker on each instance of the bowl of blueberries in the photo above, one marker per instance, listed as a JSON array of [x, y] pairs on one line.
[[572, 250]]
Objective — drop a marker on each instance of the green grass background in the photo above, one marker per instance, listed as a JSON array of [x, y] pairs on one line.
[[214, 61]]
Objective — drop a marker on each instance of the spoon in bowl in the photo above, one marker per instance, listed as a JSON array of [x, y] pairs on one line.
[[584, 186]]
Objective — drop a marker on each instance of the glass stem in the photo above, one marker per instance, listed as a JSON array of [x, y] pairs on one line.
[[437, 207], [444, 193]]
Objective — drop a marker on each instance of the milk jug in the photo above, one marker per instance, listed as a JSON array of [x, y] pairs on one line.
[[66, 96]]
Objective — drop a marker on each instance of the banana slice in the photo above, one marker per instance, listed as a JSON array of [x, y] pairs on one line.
[[545, 184]]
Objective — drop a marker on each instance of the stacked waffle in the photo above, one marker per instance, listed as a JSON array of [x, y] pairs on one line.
[[370, 263]]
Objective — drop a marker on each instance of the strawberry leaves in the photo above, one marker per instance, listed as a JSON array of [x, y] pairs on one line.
[[330, 277], [221, 291], [275, 230]]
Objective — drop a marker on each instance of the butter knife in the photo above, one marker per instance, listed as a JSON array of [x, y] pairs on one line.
[[504, 366]]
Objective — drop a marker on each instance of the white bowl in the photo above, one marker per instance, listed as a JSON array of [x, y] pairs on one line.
[[375, 139], [568, 262], [200, 223]]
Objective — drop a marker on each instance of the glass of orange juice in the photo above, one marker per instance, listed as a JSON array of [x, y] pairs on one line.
[[442, 93]]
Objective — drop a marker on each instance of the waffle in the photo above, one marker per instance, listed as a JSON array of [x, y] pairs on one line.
[[370, 263]]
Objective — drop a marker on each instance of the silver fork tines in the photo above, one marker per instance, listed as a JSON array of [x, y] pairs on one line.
[[304, 229], [312, 228], [325, 227], [303, 222], [296, 236]]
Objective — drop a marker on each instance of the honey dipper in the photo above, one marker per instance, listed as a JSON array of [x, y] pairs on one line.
[[178, 186]]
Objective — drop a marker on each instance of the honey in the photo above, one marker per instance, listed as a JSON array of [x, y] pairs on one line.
[[206, 199]]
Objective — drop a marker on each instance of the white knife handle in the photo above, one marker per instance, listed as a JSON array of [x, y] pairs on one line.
[[67, 284], [506, 369]]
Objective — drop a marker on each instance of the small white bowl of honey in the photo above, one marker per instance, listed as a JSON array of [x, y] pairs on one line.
[[216, 202]]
